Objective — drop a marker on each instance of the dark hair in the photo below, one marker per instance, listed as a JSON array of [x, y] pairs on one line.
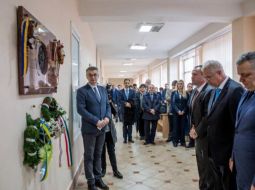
[[91, 68], [126, 80], [142, 85], [174, 82], [250, 56]]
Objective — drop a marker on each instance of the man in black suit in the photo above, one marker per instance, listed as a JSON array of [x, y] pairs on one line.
[[198, 111], [221, 119], [110, 140]]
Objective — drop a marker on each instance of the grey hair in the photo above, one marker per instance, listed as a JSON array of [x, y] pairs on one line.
[[250, 57], [213, 65]]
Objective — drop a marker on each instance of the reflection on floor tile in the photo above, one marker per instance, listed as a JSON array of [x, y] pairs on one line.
[[150, 167]]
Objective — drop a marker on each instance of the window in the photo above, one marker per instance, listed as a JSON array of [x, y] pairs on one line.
[[220, 49], [155, 76]]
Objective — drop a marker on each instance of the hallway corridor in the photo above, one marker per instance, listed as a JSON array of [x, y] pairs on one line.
[[150, 167]]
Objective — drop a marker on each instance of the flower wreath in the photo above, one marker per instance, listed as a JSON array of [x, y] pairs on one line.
[[37, 136]]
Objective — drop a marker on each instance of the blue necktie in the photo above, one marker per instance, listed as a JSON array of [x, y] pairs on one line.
[[216, 95], [126, 92], [97, 94]]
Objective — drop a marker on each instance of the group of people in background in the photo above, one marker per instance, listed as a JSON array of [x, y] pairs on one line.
[[216, 117]]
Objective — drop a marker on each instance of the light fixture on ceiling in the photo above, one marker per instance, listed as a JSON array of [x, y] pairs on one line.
[[150, 27], [145, 28], [123, 71], [138, 47], [128, 64], [121, 75]]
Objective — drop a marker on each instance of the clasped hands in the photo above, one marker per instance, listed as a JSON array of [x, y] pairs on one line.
[[102, 123], [152, 111], [127, 104]]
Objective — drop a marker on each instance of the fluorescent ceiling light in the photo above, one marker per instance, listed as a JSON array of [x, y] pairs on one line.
[[121, 75], [138, 47], [145, 28], [123, 71], [127, 64]]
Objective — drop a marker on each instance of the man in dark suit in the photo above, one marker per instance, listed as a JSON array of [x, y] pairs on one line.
[[110, 140], [244, 141], [221, 118], [198, 111], [151, 105], [139, 110], [93, 106], [127, 108]]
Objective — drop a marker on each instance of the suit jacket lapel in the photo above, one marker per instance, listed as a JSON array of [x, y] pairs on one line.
[[221, 96], [241, 111]]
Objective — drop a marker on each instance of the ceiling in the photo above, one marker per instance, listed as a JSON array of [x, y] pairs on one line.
[[114, 24]]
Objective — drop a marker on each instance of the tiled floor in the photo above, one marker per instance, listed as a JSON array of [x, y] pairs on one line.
[[150, 167]]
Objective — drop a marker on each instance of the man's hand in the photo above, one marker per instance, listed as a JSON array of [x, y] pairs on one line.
[[152, 111], [231, 164], [100, 124], [193, 133], [127, 104], [252, 187], [106, 121]]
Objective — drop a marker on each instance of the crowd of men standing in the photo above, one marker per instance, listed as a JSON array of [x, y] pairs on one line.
[[217, 115]]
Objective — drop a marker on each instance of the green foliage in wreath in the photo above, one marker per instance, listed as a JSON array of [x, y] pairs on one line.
[[31, 146]]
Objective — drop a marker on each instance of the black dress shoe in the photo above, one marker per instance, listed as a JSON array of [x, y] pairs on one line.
[[92, 187], [153, 143], [131, 141], [117, 174], [175, 144], [125, 142], [168, 140], [146, 143], [99, 183]]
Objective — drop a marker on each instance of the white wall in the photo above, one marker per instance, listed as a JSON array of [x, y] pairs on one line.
[[56, 16]]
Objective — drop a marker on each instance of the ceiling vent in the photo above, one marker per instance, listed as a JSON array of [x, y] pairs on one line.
[[150, 27]]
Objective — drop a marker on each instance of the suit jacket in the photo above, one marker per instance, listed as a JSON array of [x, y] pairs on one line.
[[114, 95], [179, 103], [90, 109], [244, 142], [221, 122], [148, 104], [127, 114], [199, 111]]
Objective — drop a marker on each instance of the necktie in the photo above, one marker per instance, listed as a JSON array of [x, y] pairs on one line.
[[126, 93], [216, 95], [194, 98], [151, 97], [97, 94]]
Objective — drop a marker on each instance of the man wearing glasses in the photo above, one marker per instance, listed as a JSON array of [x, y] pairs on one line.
[[94, 108]]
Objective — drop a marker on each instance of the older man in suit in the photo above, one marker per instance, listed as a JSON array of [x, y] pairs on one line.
[[151, 105], [198, 111], [244, 141], [221, 118], [93, 106]]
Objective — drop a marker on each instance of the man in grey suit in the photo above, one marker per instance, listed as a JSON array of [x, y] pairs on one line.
[[244, 141], [94, 108], [198, 111], [221, 119]]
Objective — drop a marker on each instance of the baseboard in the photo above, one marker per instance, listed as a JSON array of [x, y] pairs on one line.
[[77, 173]]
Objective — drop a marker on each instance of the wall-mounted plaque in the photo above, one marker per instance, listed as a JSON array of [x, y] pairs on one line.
[[39, 56]]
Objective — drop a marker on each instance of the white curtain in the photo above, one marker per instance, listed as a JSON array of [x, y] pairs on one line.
[[220, 49], [155, 76], [164, 73], [144, 77], [174, 69]]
